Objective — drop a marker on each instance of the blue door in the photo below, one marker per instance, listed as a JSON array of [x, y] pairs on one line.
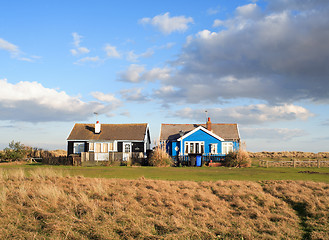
[[198, 160]]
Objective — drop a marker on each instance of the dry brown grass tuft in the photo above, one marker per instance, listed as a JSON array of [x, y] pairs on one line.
[[159, 157], [55, 207], [310, 200], [238, 159]]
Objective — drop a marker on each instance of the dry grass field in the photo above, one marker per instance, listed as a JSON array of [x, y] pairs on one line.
[[47, 205]]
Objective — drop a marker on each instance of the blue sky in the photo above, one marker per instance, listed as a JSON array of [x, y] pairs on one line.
[[261, 64]]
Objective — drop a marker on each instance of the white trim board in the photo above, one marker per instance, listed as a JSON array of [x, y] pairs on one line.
[[202, 129]]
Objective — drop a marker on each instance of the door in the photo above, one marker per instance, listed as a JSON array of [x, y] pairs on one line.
[[126, 151], [198, 161]]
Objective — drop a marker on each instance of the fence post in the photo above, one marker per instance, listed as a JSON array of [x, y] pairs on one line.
[[318, 163], [266, 164], [294, 163]]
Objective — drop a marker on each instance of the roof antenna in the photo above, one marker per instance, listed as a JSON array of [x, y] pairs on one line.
[[96, 114], [206, 115]]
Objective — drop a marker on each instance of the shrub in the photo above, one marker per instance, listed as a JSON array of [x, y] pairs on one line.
[[238, 159], [14, 152], [160, 158]]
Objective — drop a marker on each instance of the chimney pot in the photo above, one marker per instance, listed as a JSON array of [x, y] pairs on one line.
[[208, 124], [97, 127]]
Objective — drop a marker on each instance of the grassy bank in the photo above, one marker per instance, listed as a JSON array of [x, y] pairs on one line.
[[47, 205], [188, 173]]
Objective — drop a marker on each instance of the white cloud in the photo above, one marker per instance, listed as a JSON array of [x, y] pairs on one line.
[[14, 51], [88, 59], [134, 94], [32, 102], [252, 114], [78, 49], [74, 52], [111, 103], [167, 24], [83, 50], [206, 34], [148, 53], [76, 39], [218, 23], [156, 74], [132, 74], [109, 98], [111, 51], [250, 11], [133, 57], [137, 73], [7, 46]]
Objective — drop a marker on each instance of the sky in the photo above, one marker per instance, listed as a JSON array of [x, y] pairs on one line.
[[261, 64]]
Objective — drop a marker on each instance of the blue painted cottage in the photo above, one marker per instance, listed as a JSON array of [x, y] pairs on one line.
[[214, 139]]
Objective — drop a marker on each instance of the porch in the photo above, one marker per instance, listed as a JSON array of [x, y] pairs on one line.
[[198, 160]]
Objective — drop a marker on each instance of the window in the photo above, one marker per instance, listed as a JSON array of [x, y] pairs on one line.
[[79, 147], [98, 147], [213, 148], [105, 147], [91, 147], [194, 147], [127, 147], [227, 147]]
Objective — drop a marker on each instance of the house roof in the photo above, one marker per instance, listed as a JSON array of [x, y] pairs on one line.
[[110, 132], [226, 131]]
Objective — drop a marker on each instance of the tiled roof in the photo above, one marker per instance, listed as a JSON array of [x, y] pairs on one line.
[[223, 130], [110, 132]]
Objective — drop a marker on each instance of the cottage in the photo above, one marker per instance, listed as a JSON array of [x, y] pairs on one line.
[[100, 141], [213, 139]]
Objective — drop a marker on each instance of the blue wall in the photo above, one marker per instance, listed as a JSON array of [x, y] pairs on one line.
[[198, 136]]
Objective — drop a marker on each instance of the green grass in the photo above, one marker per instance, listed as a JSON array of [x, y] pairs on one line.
[[188, 173]]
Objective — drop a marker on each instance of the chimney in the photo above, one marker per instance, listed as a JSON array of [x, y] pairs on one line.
[[208, 124], [97, 127]]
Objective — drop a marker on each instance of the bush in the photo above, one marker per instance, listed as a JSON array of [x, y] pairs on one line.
[[14, 152], [160, 158], [238, 159]]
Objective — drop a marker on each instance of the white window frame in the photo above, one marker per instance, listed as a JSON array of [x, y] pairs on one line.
[[213, 148], [78, 147], [227, 147], [91, 144], [188, 145]]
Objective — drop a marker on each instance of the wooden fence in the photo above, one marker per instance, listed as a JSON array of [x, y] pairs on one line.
[[63, 160], [205, 159], [294, 163]]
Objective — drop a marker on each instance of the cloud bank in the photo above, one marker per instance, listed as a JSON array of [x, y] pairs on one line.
[[32, 102], [279, 55]]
